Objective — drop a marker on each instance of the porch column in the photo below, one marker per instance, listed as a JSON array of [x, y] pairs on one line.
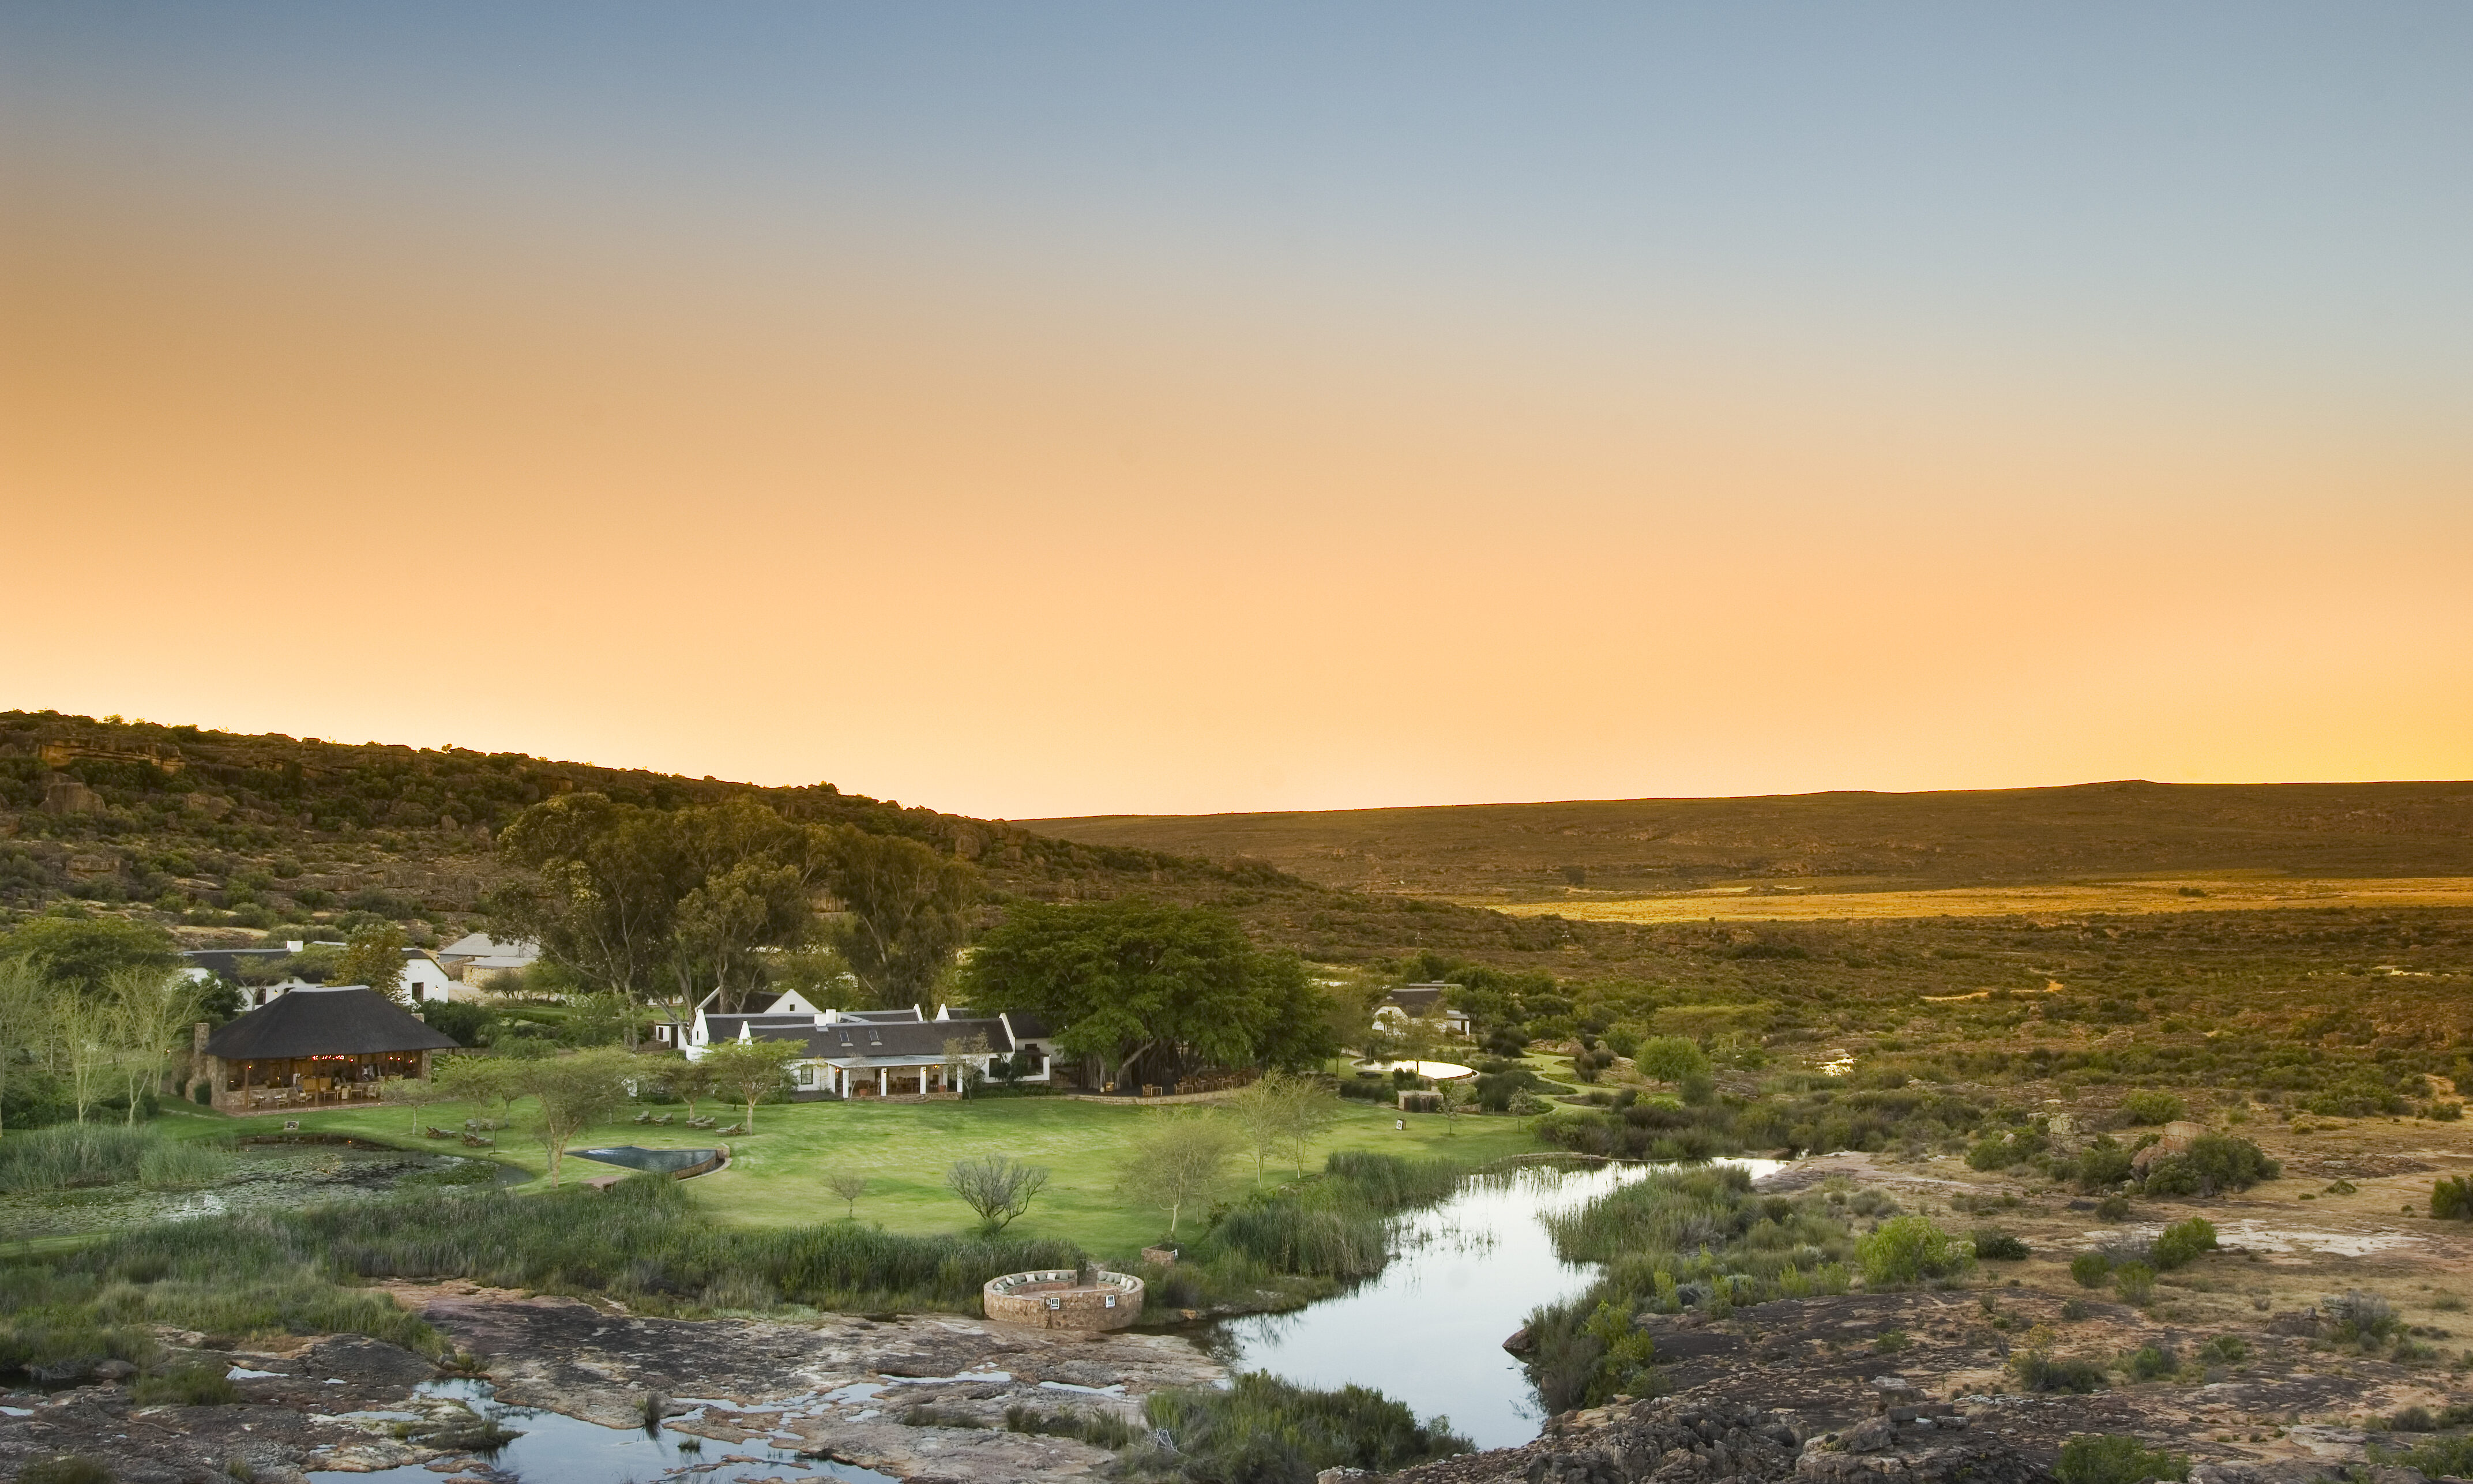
[[880, 1082]]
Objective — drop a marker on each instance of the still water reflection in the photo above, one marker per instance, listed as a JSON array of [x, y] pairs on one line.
[[1428, 1329]]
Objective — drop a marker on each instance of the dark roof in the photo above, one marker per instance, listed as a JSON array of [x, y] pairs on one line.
[[347, 1021], [225, 964], [1027, 1025], [900, 1038]]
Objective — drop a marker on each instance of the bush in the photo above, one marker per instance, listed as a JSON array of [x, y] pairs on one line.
[[66, 1468], [2112, 1207], [1908, 1249], [2135, 1283], [2213, 1164], [2091, 1269], [2149, 1362], [70, 1155], [1261, 1428], [2183, 1243], [2452, 1199], [2224, 1350], [2039, 1372], [1993, 1246], [2100, 1165], [192, 1385], [2091, 1458], [2151, 1108]]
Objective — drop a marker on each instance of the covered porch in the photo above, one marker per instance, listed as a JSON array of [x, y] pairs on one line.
[[257, 1084]]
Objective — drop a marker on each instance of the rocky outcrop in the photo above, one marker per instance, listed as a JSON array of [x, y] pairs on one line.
[[1682, 1441]]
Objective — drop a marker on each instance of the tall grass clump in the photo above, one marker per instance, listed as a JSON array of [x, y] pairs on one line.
[[1690, 1239], [1261, 1428], [1338, 1227], [70, 1155], [644, 1237]]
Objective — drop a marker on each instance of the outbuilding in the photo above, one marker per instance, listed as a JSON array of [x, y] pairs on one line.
[[317, 1046]]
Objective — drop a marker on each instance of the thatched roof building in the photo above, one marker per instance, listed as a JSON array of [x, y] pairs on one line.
[[316, 1046]]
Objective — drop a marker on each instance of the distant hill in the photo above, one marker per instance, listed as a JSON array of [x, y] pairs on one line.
[[225, 836], [1528, 851]]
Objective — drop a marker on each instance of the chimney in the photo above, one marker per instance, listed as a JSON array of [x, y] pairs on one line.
[[198, 1038]]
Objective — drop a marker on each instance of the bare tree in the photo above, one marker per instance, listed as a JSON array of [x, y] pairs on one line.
[[414, 1094], [1456, 1094], [147, 1014], [998, 1186], [850, 1186], [1181, 1158], [963, 1056]]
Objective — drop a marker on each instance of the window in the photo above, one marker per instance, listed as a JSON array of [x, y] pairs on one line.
[[807, 1076]]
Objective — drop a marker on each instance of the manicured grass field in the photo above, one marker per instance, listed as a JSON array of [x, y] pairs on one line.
[[775, 1177]]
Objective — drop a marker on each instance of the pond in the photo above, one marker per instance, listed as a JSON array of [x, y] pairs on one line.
[[559, 1450], [1428, 1330], [634, 1157], [286, 1174]]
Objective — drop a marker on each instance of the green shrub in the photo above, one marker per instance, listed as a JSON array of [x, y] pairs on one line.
[[2091, 1269], [1908, 1249], [2153, 1106], [66, 1468], [2134, 1282], [2112, 1207], [2091, 1458], [1993, 1246], [2149, 1362], [2451, 1199], [191, 1385], [2103, 1163], [2183, 1243], [2412, 1419], [2224, 1350], [1261, 1428], [2213, 1164], [2441, 1457], [2039, 1372]]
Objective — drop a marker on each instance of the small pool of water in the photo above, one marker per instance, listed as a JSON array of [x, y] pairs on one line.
[[1428, 1330], [271, 1174], [634, 1157], [554, 1449]]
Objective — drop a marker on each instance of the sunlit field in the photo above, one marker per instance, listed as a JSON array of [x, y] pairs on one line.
[[1797, 902]]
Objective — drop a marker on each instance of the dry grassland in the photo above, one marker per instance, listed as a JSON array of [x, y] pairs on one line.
[[1764, 903]]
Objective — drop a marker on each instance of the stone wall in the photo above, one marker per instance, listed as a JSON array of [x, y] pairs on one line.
[[1057, 1299]]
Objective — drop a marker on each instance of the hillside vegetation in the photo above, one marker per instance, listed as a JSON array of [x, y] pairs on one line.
[[1527, 851]]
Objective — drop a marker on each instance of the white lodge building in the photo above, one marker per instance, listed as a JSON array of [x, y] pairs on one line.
[[877, 1053]]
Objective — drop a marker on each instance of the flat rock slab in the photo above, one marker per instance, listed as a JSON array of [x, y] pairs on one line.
[[839, 1387]]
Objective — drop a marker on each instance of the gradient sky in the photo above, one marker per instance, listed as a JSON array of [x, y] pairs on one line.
[[1071, 408]]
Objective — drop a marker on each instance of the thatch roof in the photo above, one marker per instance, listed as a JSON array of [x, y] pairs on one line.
[[347, 1021]]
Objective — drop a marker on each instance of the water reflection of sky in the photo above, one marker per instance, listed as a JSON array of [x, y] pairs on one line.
[[560, 1449], [284, 1174], [1428, 1329]]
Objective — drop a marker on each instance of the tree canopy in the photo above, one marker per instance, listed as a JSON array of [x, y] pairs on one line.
[[1139, 983], [84, 953], [667, 905]]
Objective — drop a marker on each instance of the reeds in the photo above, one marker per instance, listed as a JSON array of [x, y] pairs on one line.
[[1260, 1428], [70, 1155]]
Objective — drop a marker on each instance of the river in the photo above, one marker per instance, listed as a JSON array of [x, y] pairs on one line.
[[1428, 1329]]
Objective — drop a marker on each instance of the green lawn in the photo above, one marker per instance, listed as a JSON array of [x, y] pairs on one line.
[[775, 1177]]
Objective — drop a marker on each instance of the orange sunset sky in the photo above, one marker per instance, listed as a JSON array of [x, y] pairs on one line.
[[1061, 410]]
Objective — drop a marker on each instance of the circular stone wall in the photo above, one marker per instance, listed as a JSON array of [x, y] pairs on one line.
[[1058, 1299]]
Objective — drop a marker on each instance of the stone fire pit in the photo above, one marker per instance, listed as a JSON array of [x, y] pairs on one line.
[[1060, 1299]]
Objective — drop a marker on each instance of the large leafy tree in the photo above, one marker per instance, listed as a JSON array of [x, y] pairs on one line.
[[85, 954], [660, 903], [1137, 984], [908, 912]]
